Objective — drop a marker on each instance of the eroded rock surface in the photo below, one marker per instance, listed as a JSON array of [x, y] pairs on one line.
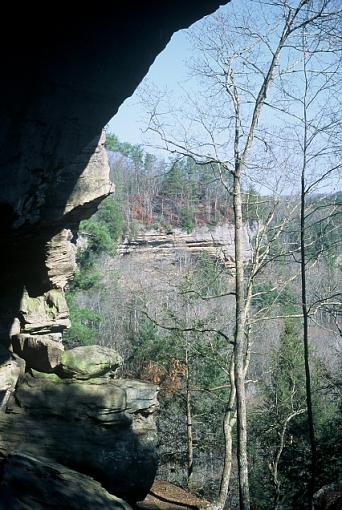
[[53, 175], [10, 371], [61, 258], [39, 257]]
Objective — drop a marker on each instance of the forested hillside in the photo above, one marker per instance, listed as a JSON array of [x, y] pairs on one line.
[[173, 322]]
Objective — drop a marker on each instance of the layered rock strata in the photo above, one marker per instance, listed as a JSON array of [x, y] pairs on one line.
[[38, 256], [217, 241]]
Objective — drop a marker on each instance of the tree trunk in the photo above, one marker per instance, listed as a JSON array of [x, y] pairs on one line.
[[239, 348], [229, 421], [311, 488], [188, 421], [306, 143]]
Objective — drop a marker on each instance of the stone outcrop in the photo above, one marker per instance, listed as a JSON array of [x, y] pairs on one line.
[[164, 495], [34, 288], [44, 314], [88, 362], [45, 484], [100, 426], [61, 259], [53, 169], [217, 241]]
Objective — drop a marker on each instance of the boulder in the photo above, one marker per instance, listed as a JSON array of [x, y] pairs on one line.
[[89, 361], [30, 482], [39, 351], [101, 427]]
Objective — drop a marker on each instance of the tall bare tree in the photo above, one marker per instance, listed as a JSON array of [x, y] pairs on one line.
[[320, 162], [239, 59]]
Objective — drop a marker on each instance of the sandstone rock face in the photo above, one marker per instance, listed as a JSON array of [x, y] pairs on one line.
[[102, 427], [217, 242], [87, 362], [61, 259], [34, 287], [89, 427], [45, 484], [164, 495], [54, 174], [40, 352], [94, 181]]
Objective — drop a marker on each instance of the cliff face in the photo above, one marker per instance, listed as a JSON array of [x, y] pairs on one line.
[[217, 241], [81, 420]]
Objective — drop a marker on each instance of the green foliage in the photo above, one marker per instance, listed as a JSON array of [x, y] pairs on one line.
[[109, 214], [174, 182], [135, 152], [286, 389], [159, 355], [148, 343], [187, 219], [83, 325], [102, 232], [267, 294], [283, 393], [86, 278], [112, 142], [98, 236]]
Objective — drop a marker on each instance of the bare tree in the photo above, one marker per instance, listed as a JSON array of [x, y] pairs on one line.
[[239, 75], [314, 112]]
